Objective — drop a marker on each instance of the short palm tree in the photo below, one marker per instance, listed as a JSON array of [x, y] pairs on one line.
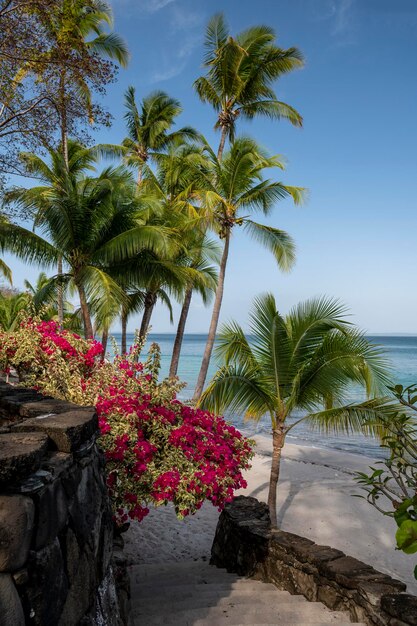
[[235, 188], [240, 73], [303, 361], [11, 304], [5, 271], [44, 299]]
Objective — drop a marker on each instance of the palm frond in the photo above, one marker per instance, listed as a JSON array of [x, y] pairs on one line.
[[277, 241]]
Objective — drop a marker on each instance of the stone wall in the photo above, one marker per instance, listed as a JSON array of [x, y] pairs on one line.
[[56, 530], [245, 544]]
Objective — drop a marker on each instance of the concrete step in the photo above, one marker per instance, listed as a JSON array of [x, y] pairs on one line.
[[226, 622], [269, 599], [198, 594], [185, 591], [292, 613]]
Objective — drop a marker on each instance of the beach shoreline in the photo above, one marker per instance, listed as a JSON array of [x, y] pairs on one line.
[[315, 500]]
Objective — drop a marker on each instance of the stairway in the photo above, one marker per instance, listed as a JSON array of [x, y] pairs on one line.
[[194, 593]]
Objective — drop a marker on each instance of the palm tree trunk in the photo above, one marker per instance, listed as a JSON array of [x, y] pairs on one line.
[[64, 146], [60, 295], [150, 301], [88, 327], [104, 341], [124, 333], [180, 333], [214, 321], [278, 439], [222, 142]]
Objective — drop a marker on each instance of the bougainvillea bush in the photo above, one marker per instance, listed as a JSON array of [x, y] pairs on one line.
[[158, 449]]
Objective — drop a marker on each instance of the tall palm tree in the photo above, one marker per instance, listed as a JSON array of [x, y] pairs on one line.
[[93, 222], [303, 361], [149, 127], [78, 30], [235, 188], [202, 253], [241, 71]]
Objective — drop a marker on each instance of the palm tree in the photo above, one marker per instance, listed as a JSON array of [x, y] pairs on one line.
[[5, 271], [78, 30], [93, 222], [201, 252], [303, 361], [149, 129], [11, 304], [240, 73], [43, 298], [235, 185]]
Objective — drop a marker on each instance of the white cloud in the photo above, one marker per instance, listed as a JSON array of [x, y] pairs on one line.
[[143, 6], [152, 6], [166, 74], [342, 16]]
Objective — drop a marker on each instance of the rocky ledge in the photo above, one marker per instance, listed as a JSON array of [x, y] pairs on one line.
[[245, 544], [56, 531]]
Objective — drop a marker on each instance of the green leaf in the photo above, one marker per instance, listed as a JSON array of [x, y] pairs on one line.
[[402, 513], [406, 537]]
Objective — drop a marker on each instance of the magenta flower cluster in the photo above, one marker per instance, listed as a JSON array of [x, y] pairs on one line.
[[158, 449]]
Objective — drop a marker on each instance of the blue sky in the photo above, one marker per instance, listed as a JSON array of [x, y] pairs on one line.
[[356, 236]]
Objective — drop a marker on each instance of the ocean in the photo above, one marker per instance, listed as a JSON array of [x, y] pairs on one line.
[[401, 350]]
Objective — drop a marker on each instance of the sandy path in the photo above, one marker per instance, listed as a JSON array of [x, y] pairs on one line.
[[315, 500]]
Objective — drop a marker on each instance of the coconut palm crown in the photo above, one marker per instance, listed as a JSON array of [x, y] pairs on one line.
[[149, 127], [233, 189], [240, 73], [305, 362], [93, 222]]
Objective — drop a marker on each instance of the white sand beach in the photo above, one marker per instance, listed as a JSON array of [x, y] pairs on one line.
[[315, 500]]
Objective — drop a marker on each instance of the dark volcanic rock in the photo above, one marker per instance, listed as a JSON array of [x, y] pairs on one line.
[[11, 611], [20, 455], [402, 606], [244, 543], [67, 430], [47, 587], [17, 515], [45, 406]]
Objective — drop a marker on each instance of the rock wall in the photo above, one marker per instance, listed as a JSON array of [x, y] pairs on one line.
[[56, 530], [245, 544]]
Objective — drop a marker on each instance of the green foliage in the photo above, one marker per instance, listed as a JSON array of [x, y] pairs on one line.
[[157, 449], [94, 222], [240, 74], [392, 486], [303, 361]]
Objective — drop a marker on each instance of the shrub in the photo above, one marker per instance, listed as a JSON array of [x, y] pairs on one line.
[[158, 449], [392, 486]]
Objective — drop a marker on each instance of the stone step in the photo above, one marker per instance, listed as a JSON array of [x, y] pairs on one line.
[[175, 567], [268, 599], [227, 622], [242, 586], [292, 613], [198, 594], [184, 578]]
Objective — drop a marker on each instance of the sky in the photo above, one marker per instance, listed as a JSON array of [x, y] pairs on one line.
[[356, 153]]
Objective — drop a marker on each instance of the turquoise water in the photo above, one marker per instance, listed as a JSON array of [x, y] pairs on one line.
[[401, 350]]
